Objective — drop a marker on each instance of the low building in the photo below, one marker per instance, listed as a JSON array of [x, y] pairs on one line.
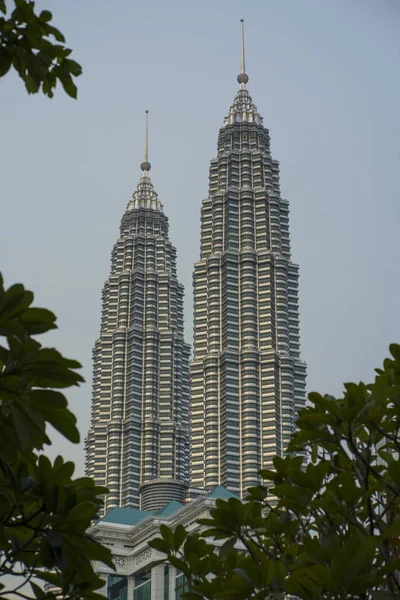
[[127, 532]]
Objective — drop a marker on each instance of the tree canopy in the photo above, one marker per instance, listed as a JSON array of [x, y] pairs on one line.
[[44, 511], [324, 524], [31, 45]]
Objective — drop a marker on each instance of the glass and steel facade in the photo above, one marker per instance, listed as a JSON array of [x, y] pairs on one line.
[[247, 378], [165, 583], [142, 590], [140, 398], [117, 588]]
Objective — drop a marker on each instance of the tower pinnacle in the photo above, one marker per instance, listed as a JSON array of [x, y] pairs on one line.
[[146, 166], [242, 77]]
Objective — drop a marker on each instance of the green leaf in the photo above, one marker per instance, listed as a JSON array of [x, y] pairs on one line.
[[73, 67], [31, 85], [38, 320], [178, 563], [47, 576], [159, 544], [68, 85], [46, 555], [179, 536], [82, 512], [29, 426], [381, 595], [167, 535], [63, 471], [395, 351], [56, 33], [48, 399], [9, 474], [394, 472], [15, 298], [227, 547], [5, 63], [64, 421], [314, 454], [45, 16], [37, 590], [393, 531], [54, 538]]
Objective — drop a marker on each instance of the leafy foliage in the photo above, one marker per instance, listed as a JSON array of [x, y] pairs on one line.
[[36, 50], [323, 528], [44, 512]]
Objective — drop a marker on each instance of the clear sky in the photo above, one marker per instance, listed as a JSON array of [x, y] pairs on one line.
[[326, 78]]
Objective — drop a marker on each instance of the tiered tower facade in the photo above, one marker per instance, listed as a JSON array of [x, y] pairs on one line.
[[140, 399], [247, 378]]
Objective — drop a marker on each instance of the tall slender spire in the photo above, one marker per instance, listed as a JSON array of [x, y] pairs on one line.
[[146, 166], [145, 195], [242, 77], [242, 61]]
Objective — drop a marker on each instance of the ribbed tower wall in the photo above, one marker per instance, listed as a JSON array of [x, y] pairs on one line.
[[140, 400], [247, 378]]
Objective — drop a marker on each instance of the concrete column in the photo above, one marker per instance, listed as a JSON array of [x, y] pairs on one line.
[[103, 590], [131, 587], [172, 580], [157, 583]]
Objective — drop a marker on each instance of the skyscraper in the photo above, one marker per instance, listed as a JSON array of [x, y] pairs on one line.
[[140, 399], [247, 378]]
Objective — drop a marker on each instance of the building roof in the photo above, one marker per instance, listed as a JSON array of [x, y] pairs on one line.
[[220, 492], [133, 516], [125, 516], [170, 509]]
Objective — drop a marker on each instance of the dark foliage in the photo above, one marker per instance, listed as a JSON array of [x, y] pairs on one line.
[[323, 529], [35, 49], [44, 512]]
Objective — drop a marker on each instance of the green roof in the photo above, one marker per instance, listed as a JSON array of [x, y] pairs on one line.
[[170, 509], [133, 516], [126, 516], [223, 493]]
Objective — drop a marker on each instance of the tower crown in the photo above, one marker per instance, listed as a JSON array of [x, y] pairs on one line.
[[145, 195], [243, 109]]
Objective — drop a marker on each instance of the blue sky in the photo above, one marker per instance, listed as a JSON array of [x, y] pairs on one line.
[[325, 77]]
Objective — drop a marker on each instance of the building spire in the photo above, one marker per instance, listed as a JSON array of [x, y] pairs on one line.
[[242, 77], [146, 166]]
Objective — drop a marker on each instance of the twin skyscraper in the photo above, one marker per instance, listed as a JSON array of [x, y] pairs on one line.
[[166, 427]]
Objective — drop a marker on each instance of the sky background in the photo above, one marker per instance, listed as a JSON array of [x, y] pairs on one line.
[[325, 77]]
